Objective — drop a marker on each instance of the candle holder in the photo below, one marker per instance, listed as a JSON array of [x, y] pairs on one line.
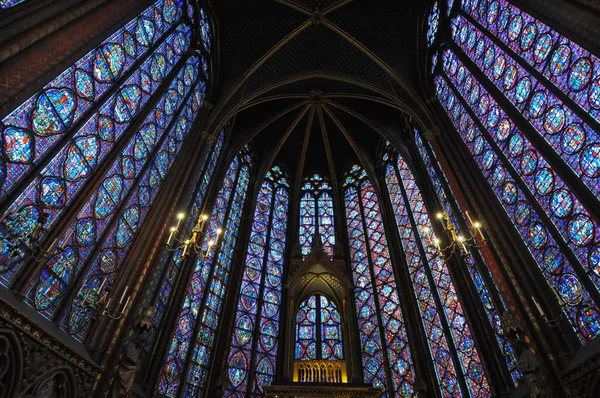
[[555, 321], [99, 303], [458, 243], [191, 245], [26, 243]]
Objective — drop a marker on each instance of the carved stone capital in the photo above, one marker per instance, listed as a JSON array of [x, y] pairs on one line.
[[209, 138], [430, 134]]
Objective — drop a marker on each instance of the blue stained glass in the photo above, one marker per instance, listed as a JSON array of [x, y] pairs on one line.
[[316, 213], [375, 282], [117, 240], [433, 20], [205, 30], [568, 66], [86, 150], [409, 207], [174, 261], [49, 114], [553, 120], [102, 204], [4, 4], [257, 317], [491, 308], [305, 347], [230, 197], [538, 177], [585, 316]]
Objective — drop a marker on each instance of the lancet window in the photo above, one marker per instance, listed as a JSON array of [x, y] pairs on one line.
[[524, 101], [318, 330], [316, 214], [449, 335], [109, 127], [251, 362], [386, 357], [191, 348]]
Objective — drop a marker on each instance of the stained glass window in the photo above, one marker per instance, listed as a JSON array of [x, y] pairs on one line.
[[316, 214], [481, 276], [441, 312], [168, 266], [381, 324], [433, 21], [189, 355], [54, 188], [318, 330], [45, 119], [76, 136], [87, 229], [251, 362], [530, 70], [9, 3]]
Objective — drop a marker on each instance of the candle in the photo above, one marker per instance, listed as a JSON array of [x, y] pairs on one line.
[[461, 239], [126, 303], [173, 230], [469, 218], [477, 226], [51, 248], [437, 243], [102, 284], [179, 218], [538, 306], [123, 295], [440, 217], [185, 247]]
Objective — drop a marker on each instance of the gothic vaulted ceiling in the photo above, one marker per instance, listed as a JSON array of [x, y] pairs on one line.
[[314, 84]]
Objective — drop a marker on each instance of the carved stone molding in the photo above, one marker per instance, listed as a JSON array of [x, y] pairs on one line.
[[583, 379], [11, 363], [48, 365]]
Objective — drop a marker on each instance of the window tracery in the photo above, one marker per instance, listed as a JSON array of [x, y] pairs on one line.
[[316, 214], [523, 99], [386, 357], [189, 355], [318, 330], [251, 362], [449, 336]]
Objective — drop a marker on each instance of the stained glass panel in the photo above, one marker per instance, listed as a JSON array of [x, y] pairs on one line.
[[117, 242], [556, 268], [39, 124], [567, 214], [206, 288], [257, 318], [87, 229], [565, 64], [45, 199], [377, 300], [492, 309], [316, 214]]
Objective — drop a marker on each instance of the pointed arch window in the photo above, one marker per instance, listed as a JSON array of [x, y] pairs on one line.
[[449, 335], [70, 128], [161, 297], [251, 362], [386, 357], [523, 99], [190, 352], [316, 214], [318, 330], [142, 76], [477, 266]]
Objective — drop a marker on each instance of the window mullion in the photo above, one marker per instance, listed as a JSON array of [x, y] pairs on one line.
[[433, 289], [579, 268], [256, 336], [382, 332]]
